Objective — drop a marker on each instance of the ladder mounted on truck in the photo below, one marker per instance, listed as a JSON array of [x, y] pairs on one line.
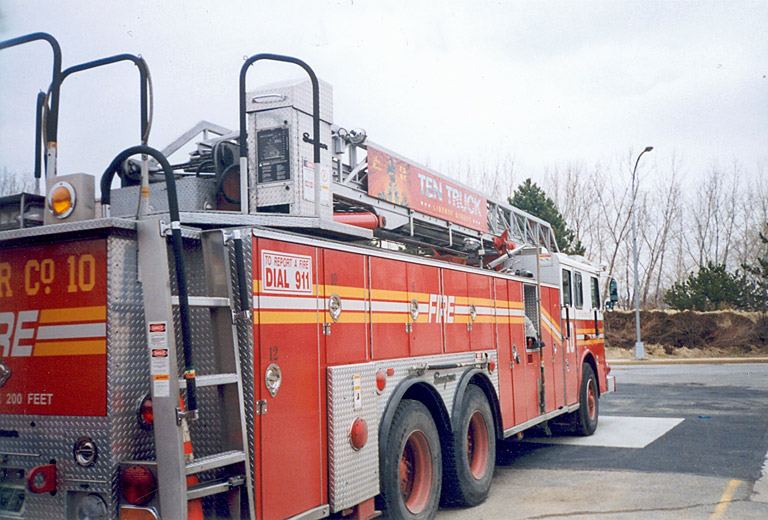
[[347, 181], [177, 469]]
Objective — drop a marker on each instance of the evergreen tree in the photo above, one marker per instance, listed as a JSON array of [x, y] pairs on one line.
[[759, 275], [711, 288], [529, 197]]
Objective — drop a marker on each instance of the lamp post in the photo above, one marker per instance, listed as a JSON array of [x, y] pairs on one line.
[[639, 349]]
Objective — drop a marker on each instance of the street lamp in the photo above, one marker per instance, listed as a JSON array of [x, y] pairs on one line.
[[639, 349]]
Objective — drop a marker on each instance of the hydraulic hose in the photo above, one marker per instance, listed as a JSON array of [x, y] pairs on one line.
[[178, 253]]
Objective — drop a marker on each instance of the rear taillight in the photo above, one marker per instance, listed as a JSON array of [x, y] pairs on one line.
[[137, 485], [145, 413]]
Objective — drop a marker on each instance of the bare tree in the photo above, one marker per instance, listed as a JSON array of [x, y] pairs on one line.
[[12, 182]]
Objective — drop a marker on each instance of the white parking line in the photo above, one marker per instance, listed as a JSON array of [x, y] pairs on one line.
[[620, 432]]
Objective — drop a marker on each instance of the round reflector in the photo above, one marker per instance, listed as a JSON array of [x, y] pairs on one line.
[[146, 415], [137, 485], [61, 199], [381, 380], [358, 436]]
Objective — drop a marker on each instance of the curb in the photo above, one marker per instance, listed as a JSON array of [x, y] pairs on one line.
[[686, 361]]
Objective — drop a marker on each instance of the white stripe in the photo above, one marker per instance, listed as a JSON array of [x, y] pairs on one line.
[[461, 309], [86, 330], [287, 303], [351, 305], [554, 329], [389, 306]]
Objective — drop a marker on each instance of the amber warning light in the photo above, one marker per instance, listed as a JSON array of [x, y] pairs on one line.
[[61, 199]]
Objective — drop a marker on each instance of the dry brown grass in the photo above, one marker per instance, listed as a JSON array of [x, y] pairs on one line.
[[688, 334]]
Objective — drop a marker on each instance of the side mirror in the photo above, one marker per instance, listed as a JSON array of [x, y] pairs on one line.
[[613, 295]]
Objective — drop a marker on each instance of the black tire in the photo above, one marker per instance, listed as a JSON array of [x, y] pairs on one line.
[[412, 464], [471, 458], [585, 419]]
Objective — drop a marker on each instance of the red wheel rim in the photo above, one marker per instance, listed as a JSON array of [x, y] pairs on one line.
[[591, 399], [477, 445], [416, 472]]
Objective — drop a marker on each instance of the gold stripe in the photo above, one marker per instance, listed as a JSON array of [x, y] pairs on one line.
[[296, 317], [73, 314], [71, 348], [347, 317], [386, 294], [390, 317], [555, 323], [345, 291]]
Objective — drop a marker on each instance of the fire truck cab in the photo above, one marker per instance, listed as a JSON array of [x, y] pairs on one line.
[[295, 322]]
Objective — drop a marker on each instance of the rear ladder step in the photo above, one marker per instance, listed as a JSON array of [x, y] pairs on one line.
[[214, 487], [211, 380], [217, 460], [204, 301]]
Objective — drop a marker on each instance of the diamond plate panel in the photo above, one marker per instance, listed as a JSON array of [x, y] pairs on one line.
[[194, 194], [245, 341], [292, 108], [353, 475], [444, 386]]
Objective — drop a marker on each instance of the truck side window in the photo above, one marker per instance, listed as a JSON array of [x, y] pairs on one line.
[[567, 288], [531, 311], [593, 283], [578, 290]]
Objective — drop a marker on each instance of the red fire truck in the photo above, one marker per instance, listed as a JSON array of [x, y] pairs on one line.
[[295, 322]]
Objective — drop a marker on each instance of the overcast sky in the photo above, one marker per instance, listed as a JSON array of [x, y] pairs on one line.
[[546, 83]]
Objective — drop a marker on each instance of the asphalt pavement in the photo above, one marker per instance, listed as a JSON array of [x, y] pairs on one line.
[[677, 441]]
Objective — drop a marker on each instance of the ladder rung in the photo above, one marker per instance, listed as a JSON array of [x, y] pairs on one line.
[[217, 460], [213, 488], [210, 380], [204, 301]]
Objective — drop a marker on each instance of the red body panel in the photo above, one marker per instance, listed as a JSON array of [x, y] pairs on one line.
[[427, 336], [292, 434], [389, 310], [455, 294], [507, 371], [480, 294], [53, 328], [344, 274]]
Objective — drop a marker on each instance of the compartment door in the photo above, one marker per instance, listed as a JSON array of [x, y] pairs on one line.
[[452, 309], [426, 336], [290, 446], [480, 302], [389, 308], [345, 284]]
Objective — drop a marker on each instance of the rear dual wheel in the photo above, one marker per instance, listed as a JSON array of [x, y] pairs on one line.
[[412, 466], [472, 457]]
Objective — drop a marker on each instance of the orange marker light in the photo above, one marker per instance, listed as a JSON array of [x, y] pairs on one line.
[[61, 199]]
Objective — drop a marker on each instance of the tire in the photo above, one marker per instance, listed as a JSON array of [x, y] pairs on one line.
[[412, 464], [471, 458], [585, 419]]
